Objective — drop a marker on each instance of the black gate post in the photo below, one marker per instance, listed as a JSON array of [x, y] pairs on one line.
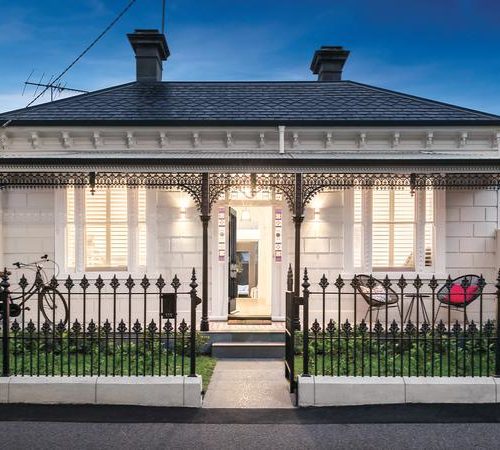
[[305, 303], [205, 219], [290, 331], [195, 301], [497, 340], [298, 218], [4, 297]]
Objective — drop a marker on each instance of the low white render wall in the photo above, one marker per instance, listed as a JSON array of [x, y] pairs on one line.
[[144, 391], [342, 391]]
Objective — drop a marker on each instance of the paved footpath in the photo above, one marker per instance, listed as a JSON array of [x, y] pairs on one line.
[[248, 383]]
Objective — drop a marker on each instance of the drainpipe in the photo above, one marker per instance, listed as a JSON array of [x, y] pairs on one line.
[[281, 130]]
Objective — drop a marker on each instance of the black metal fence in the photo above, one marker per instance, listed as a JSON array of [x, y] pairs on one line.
[[366, 326], [89, 327]]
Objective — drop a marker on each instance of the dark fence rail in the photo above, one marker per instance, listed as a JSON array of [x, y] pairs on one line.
[[366, 326], [89, 327]]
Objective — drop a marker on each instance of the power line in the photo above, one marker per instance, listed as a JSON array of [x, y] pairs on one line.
[[80, 56]]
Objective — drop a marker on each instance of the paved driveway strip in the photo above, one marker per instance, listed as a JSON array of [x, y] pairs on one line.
[[248, 383]]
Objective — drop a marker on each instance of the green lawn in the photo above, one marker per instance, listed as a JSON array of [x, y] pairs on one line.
[[443, 356], [65, 356]]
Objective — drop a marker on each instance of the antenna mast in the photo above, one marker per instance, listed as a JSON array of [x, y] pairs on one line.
[[163, 17]]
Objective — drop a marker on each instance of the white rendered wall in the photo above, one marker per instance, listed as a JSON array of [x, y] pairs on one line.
[[179, 242], [322, 238], [28, 225], [471, 224]]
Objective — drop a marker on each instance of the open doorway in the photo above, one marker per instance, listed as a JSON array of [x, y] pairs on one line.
[[250, 262]]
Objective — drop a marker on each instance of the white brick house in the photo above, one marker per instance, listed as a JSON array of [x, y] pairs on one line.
[[114, 182]]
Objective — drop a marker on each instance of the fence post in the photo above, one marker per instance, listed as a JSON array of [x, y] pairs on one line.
[[497, 343], [4, 297], [305, 294], [195, 301]]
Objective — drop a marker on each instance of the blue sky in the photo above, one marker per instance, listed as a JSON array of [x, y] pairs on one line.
[[448, 50]]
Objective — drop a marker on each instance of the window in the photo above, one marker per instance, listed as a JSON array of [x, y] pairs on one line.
[[393, 230], [105, 230]]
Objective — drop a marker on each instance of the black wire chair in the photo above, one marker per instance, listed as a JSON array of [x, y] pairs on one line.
[[460, 293], [378, 297]]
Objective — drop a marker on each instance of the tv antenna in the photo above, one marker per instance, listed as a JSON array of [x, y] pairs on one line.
[[53, 86]]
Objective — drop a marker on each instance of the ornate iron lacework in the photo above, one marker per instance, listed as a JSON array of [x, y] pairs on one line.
[[281, 182], [187, 182], [315, 183], [192, 183]]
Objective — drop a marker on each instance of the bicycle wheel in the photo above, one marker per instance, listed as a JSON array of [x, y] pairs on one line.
[[52, 305]]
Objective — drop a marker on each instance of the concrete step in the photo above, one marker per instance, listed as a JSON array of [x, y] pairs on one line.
[[275, 350], [246, 336]]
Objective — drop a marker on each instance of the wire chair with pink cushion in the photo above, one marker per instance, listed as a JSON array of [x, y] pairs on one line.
[[459, 293]]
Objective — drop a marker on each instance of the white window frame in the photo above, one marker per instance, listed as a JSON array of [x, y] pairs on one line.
[[133, 229], [439, 238]]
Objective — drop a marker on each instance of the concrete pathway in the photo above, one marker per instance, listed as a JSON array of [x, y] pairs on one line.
[[248, 383]]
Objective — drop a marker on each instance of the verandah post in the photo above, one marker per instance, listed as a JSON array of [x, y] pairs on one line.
[[4, 298], [205, 219], [497, 337], [298, 218]]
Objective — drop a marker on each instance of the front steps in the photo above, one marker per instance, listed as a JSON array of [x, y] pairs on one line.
[[256, 350], [249, 320], [247, 344]]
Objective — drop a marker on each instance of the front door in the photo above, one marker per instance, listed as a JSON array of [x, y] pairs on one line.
[[233, 263]]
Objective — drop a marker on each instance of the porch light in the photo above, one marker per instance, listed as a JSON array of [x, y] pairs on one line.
[[316, 214], [245, 215], [183, 213]]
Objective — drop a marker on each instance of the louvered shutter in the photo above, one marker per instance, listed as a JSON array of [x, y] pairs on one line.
[[358, 229], [106, 229], [142, 228], [70, 235], [393, 230]]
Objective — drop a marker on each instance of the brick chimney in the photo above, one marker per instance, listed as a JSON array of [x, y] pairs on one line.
[[151, 49], [328, 63]]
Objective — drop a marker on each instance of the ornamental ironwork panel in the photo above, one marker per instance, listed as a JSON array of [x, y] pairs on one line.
[[221, 183]]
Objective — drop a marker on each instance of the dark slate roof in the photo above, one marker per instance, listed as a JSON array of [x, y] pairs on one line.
[[270, 103]]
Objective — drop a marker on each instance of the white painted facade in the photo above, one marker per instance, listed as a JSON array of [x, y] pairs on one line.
[[467, 222]]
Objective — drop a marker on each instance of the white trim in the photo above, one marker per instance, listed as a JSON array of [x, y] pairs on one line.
[[348, 218], [420, 219], [440, 233]]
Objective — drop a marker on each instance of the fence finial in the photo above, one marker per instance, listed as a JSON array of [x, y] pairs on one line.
[[289, 279]]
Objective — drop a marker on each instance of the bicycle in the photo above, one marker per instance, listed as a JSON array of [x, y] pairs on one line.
[[50, 299]]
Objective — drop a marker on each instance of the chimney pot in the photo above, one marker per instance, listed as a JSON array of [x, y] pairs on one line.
[[151, 49], [328, 63]]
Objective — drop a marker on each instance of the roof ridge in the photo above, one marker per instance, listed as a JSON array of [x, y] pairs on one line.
[[425, 99]]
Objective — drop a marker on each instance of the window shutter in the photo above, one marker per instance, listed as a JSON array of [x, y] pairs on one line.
[[70, 229], [429, 228], [106, 229], [393, 239], [358, 229], [142, 230]]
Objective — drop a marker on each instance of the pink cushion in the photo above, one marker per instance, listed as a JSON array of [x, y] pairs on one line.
[[457, 297]]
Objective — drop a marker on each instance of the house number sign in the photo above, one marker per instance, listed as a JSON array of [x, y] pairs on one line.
[[278, 235], [221, 216]]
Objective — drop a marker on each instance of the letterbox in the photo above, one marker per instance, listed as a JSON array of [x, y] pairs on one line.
[[169, 305]]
